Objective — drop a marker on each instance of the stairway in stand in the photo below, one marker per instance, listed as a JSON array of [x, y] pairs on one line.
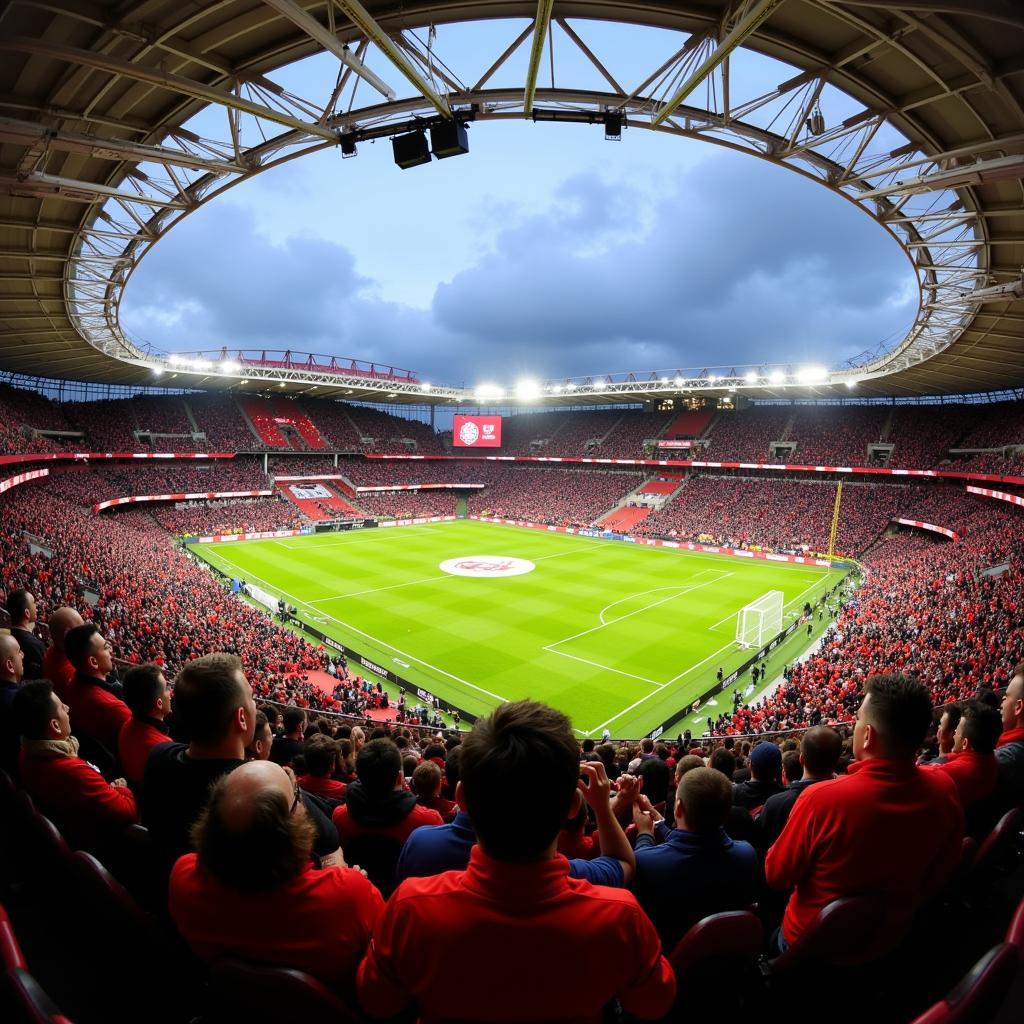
[[623, 519]]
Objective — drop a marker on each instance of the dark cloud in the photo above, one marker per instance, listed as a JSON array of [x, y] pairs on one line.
[[732, 264]]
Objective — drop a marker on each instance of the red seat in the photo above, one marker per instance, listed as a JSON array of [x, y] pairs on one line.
[[268, 995], [837, 935], [1015, 933], [726, 943], [10, 951], [25, 1002], [998, 841], [978, 996]]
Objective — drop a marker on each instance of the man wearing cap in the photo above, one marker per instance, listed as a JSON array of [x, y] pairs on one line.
[[765, 777]]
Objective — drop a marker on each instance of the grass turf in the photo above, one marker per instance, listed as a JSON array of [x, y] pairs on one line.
[[616, 635]]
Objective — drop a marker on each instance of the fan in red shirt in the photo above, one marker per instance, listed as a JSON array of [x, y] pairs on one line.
[[84, 806], [321, 755], [251, 890], [98, 712], [972, 764], [530, 942], [886, 828], [426, 784], [147, 695]]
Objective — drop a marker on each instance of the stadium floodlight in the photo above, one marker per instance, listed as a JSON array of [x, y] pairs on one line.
[[527, 390], [230, 367], [488, 392], [201, 364], [776, 376], [175, 358], [570, 386], [679, 382], [760, 621], [243, 382], [712, 379], [426, 386], [811, 374], [281, 384], [851, 383], [664, 380], [750, 377], [157, 370]]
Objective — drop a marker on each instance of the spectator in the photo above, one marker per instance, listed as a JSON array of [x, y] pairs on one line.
[[972, 764], [819, 754], [289, 746], [56, 666], [83, 805], [426, 784], [1010, 746], [99, 713], [262, 740], [21, 606], [886, 828], [251, 891], [434, 849], [321, 755], [377, 803], [945, 734], [149, 698], [11, 673], [520, 779], [764, 782], [696, 869]]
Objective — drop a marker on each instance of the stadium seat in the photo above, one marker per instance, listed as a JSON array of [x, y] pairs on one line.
[[714, 956], [130, 858], [46, 851], [1015, 932], [10, 950], [978, 996], [24, 1002], [378, 857], [836, 936], [995, 850], [268, 995]]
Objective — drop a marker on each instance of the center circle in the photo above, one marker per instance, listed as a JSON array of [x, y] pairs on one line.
[[492, 566]]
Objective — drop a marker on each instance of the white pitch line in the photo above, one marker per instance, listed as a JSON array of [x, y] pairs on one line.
[[354, 537], [653, 590], [607, 668], [680, 591], [377, 590]]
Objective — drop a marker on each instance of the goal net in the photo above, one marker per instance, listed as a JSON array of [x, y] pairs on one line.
[[760, 620]]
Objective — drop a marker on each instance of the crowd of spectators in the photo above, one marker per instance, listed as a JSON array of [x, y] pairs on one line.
[[220, 419], [626, 439], [407, 504], [557, 497], [745, 435], [314, 465], [334, 423], [389, 433], [836, 436], [247, 515]]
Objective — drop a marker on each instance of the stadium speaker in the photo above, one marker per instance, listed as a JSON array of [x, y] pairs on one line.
[[613, 125], [449, 139], [347, 140], [410, 150]]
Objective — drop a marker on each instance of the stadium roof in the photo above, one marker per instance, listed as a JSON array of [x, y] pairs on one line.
[[95, 166]]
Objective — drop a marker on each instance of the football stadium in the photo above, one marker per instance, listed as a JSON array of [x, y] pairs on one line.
[[661, 634]]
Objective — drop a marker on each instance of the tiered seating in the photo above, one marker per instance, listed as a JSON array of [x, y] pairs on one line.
[[107, 425], [293, 412], [690, 424], [627, 437], [659, 487], [581, 428], [744, 435], [332, 506], [163, 415], [263, 418], [623, 520], [555, 496], [255, 515], [220, 419], [923, 434], [389, 432], [408, 504], [518, 432], [996, 425], [314, 465], [836, 436], [333, 423]]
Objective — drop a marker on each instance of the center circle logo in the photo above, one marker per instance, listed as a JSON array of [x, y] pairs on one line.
[[493, 566], [469, 433]]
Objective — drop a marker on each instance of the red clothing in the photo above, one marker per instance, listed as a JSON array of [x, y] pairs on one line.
[[527, 943], [137, 738], [82, 804], [975, 775], [446, 808], [886, 828], [325, 787], [348, 829], [319, 922], [1011, 736], [96, 712], [59, 671]]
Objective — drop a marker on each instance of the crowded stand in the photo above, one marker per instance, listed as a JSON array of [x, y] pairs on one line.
[[626, 439], [553, 496], [390, 434], [247, 515], [745, 435], [407, 504], [922, 435], [833, 436], [777, 514], [997, 425], [313, 465], [221, 420], [334, 423]]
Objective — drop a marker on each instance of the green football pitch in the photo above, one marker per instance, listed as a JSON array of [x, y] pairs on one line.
[[618, 636]]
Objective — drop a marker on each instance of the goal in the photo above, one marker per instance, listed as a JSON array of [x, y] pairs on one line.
[[760, 620]]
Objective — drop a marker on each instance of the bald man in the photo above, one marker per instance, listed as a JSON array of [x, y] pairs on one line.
[[56, 666], [251, 890], [1010, 746], [12, 667]]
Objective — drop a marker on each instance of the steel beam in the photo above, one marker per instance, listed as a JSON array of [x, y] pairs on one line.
[[541, 26]]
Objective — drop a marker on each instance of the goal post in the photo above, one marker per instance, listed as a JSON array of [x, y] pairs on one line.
[[760, 620]]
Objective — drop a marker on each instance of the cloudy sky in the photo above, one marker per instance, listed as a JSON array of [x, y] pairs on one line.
[[545, 252]]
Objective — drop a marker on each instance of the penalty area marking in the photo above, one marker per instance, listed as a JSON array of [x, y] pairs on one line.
[[728, 618]]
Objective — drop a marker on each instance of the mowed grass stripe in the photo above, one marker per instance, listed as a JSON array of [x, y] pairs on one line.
[[454, 634]]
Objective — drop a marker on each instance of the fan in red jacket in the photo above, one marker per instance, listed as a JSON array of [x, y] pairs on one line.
[[81, 802], [972, 763], [147, 695], [888, 828], [98, 713], [321, 755], [530, 942], [56, 666], [377, 804], [251, 890]]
